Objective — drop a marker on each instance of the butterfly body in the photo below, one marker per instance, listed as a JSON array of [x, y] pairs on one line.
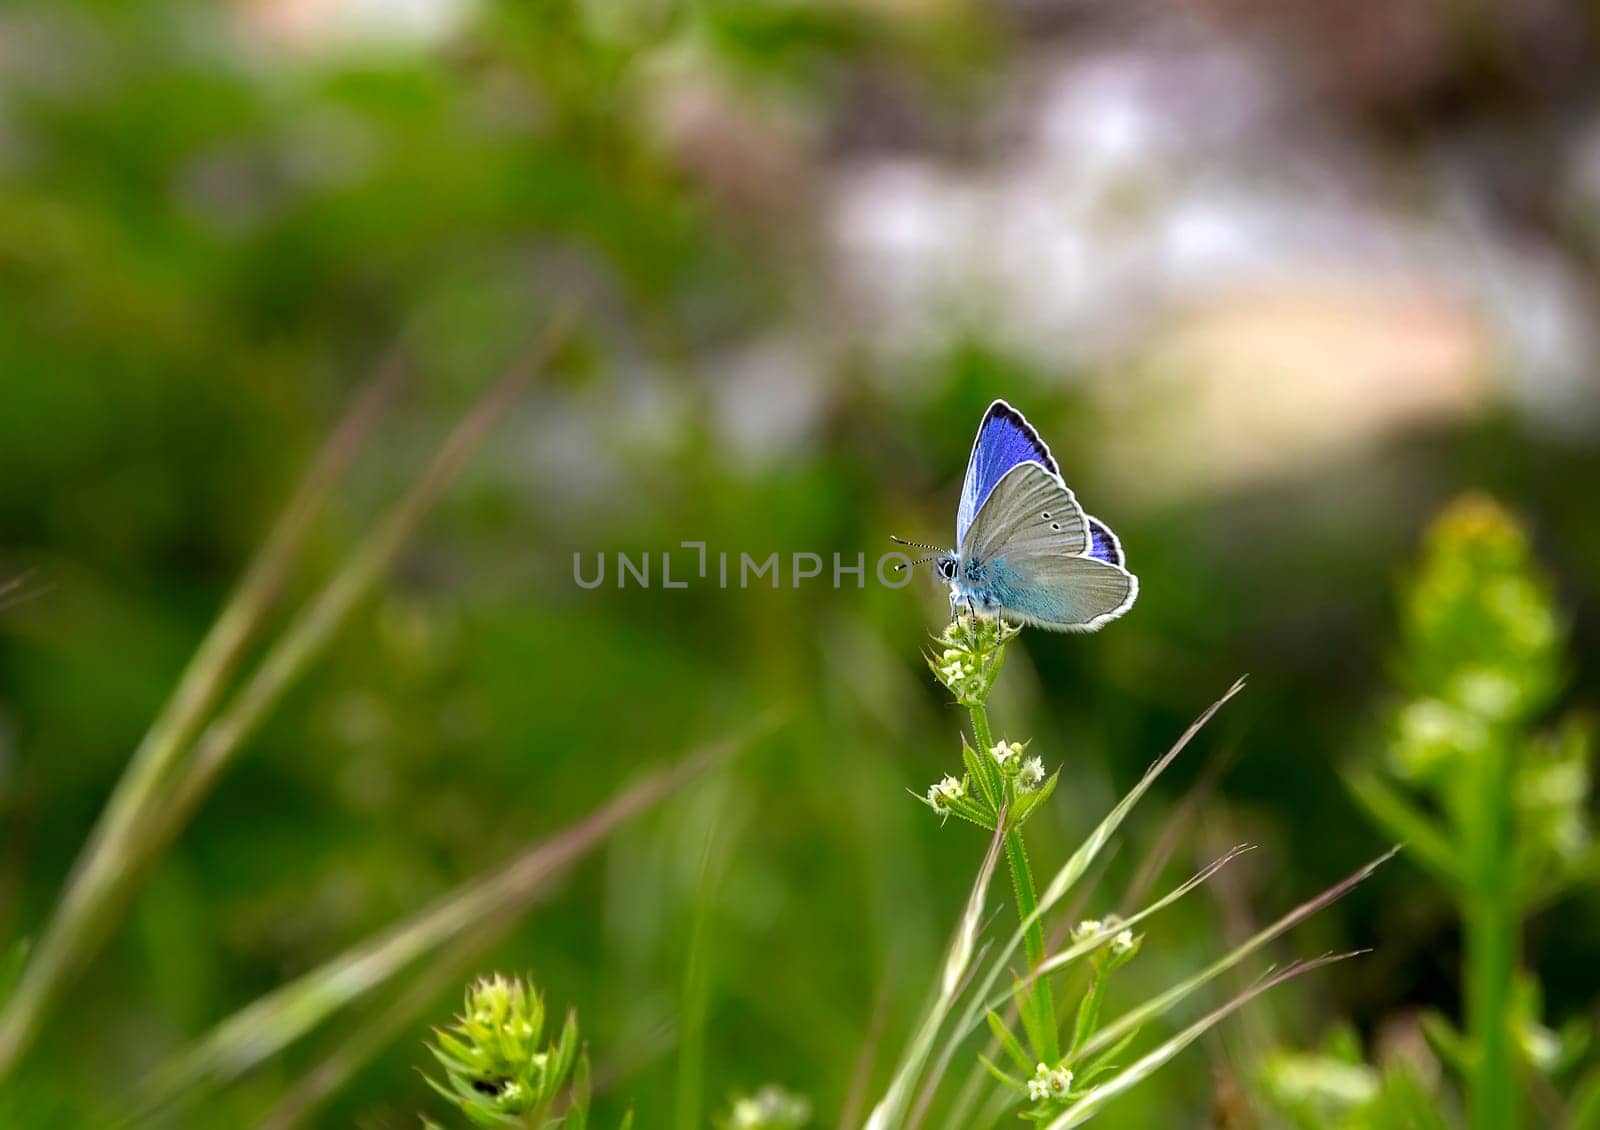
[[1025, 548]]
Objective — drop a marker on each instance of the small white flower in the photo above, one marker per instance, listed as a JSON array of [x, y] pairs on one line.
[[1087, 929], [511, 1092], [942, 792], [1049, 1083], [1005, 753], [1122, 943], [1031, 775]]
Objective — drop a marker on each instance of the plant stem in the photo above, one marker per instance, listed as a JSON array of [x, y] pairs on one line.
[[1040, 1000], [1491, 942]]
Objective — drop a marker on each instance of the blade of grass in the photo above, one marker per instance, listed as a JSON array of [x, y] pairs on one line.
[[20, 590], [314, 628], [1080, 861], [266, 1026], [1101, 937], [891, 1108], [1160, 1003], [695, 991], [861, 1076], [88, 903], [1074, 868], [1178, 824], [154, 822], [1089, 1105], [1082, 948]]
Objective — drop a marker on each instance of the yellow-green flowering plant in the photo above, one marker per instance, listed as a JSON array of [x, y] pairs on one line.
[[498, 1071], [1491, 798]]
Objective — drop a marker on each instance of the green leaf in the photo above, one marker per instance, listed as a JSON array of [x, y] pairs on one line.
[[1088, 1013], [1000, 1076], [1006, 1040], [1029, 803], [971, 811], [1400, 819], [978, 771], [578, 1116], [1448, 1043], [1103, 1062]]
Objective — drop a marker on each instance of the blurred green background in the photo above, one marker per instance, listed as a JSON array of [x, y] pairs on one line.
[[1276, 283]]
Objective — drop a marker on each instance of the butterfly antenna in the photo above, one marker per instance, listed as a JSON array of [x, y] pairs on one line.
[[902, 566], [917, 544]]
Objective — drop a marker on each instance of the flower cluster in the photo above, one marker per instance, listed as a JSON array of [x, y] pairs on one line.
[[999, 777], [496, 1071], [1049, 1083], [770, 1108], [1005, 780], [968, 657], [1027, 774], [1118, 950], [1057, 1085]]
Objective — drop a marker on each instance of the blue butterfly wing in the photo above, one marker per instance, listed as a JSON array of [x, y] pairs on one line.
[[1103, 544], [1005, 440], [1045, 571]]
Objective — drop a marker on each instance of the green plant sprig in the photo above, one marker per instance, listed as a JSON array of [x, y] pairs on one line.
[[999, 790], [1491, 805], [999, 779]]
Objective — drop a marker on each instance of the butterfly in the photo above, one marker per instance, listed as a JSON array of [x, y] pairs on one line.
[[1025, 549]]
